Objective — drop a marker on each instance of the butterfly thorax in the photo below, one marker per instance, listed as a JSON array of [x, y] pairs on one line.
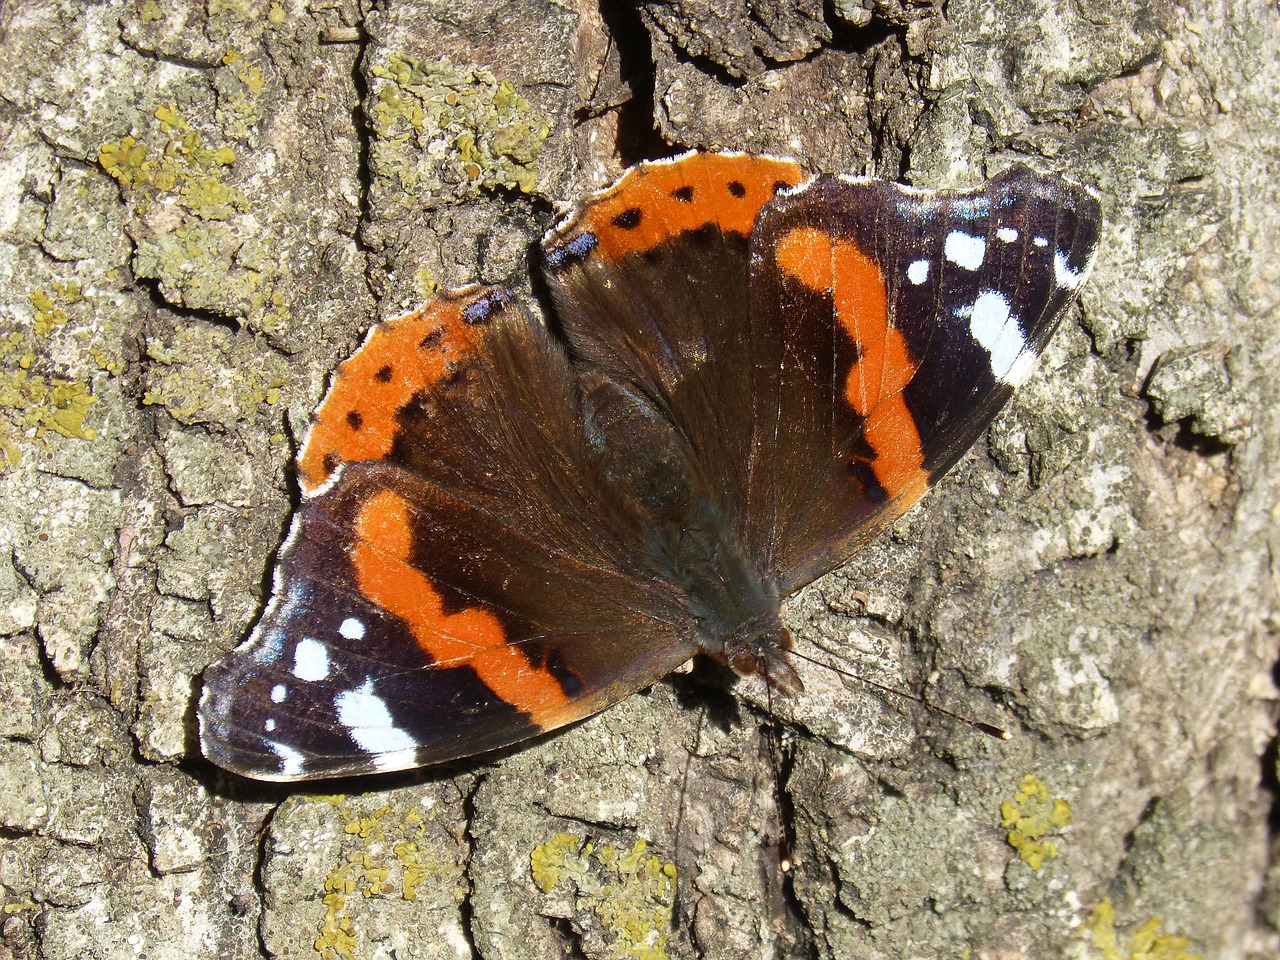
[[649, 475]]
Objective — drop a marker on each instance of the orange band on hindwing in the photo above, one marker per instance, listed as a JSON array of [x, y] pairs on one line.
[[658, 200], [883, 368], [399, 360], [382, 554]]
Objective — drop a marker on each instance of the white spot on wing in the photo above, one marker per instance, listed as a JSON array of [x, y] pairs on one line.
[[964, 250], [997, 330], [1063, 274], [270, 725], [352, 629], [1040, 241], [278, 693], [1007, 234], [310, 660], [290, 759], [918, 271], [988, 316], [368, 721]]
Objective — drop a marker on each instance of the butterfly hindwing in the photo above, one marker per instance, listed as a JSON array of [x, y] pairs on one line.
[[827, 372], [649, 281]]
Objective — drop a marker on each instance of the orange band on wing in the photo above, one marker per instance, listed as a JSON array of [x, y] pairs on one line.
[[399, 359], [382, 555], [655, 201], [884, 366]]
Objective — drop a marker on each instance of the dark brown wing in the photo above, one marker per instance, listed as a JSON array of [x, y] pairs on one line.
[[456, 579], [650, 283], [825, 353], [504, 532]]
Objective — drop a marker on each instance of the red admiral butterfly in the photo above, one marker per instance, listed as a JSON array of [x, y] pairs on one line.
[[510, 524]]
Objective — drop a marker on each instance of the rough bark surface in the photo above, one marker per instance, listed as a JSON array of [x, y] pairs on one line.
[[204, 204]]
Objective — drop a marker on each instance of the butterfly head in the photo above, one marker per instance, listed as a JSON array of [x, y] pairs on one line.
[[761, 649]]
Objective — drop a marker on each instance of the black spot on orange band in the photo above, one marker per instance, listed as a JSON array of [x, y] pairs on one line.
[[399, 361], [628, 219], [676, 198]]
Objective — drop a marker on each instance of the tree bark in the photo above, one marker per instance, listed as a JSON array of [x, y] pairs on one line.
[[203, 205]]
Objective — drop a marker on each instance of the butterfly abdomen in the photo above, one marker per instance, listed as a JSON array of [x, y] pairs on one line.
[[649, 474]]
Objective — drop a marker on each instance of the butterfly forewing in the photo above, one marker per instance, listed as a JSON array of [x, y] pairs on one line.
[[467, 589], [900, 322]]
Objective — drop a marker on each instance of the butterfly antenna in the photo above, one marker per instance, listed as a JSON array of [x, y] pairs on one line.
[[683, 867], [785, 862], [989, 729]]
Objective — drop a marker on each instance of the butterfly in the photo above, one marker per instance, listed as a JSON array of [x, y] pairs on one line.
[[510, 521]]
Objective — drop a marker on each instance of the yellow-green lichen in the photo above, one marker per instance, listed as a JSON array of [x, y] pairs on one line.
[[1030, 817], [451, 131], [331, 799], [1145, 943], [149, 11], [367, 827], [554, 860], [204, 266], [415, 867], [239, 84], [390, 861], [425, 284], [200, 258], [628, 893], [236, 11], [34, 398], [177, 166], [207, 375], [51, 314]]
